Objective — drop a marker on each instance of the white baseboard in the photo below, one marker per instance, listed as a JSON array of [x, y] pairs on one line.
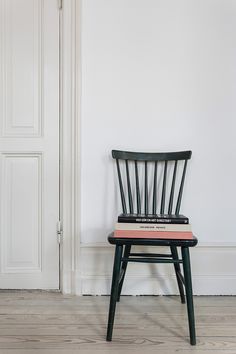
[[213, 272]]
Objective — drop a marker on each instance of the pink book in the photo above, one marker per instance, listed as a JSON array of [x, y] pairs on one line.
[[179, 235]]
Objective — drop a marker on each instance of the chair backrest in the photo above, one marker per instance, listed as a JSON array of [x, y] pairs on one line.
[[151, 183]]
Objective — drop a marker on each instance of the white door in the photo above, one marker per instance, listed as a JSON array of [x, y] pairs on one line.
[[29, 144]]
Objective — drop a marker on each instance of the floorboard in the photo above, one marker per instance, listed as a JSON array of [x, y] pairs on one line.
[[51, 323]]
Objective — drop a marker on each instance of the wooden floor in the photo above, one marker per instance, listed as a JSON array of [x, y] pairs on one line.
[[42, 322]]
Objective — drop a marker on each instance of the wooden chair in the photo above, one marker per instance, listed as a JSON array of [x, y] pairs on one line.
[[162, 177]]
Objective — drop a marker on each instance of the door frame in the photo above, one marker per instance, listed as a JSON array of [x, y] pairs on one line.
[[70, 93]]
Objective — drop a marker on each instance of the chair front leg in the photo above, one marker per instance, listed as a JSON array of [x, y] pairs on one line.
[[175, 256], [189, 293], [114, 290], [123, 270]]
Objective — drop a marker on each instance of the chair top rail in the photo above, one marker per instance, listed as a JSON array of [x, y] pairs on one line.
[[151, 156]]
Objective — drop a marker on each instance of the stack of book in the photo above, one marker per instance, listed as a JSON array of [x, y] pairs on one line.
[[162, 226]]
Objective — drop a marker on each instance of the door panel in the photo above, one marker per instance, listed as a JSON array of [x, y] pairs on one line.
[[29, 143], [22, 51]]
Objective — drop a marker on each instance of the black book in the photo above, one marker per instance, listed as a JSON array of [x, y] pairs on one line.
[[153, 218]]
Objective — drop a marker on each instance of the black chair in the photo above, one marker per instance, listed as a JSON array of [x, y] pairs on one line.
[[162, 177]]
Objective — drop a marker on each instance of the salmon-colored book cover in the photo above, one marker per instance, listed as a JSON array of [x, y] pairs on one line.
[[178, 235]]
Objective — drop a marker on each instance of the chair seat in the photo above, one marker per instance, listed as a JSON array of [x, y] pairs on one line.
[[151, 242]]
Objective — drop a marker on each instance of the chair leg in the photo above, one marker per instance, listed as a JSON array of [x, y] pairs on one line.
[[189, 294], [114, 290], [174, 253], [123, 270]]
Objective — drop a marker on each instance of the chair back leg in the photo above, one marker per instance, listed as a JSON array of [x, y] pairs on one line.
[[189, 294], [123, 270], [178, 274], [114, 290]]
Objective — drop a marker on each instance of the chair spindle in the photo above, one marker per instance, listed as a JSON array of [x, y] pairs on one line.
[[129, 188], [137, 188], [154, 200], [163, 197], [146, 189], [172, 189], [181, 189], [121, 188]]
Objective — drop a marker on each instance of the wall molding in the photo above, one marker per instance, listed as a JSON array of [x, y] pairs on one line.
[[200, 244], [210, 277]]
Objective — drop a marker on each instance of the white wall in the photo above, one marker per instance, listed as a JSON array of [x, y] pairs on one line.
[[160, 75]]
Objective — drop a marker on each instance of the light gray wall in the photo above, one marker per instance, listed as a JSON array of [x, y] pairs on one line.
[[160, 75]]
